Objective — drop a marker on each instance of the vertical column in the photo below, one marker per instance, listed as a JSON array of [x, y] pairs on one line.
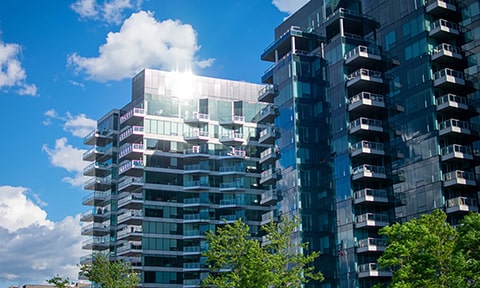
[[341, 28]]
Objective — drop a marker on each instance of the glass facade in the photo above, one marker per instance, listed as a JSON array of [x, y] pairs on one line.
[[378, 123], [182, 158]]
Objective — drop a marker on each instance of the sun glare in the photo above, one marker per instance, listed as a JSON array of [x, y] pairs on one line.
[[183, 84]]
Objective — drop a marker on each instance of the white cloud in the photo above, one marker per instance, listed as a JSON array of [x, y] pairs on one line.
[[12, 74], [78, 125], [67, 157], [12, 217], [109, 11], [133, 48], [34, 248], [289, 6]]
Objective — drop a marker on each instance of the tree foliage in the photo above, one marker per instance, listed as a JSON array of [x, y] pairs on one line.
[[237, 260], [59, 282], [110, 274], [429, 252]]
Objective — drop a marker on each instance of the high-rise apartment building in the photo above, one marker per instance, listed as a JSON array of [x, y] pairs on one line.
[[184, 156], [377, 118]]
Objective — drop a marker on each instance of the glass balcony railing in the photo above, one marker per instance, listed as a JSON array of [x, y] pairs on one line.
[[140, 112]]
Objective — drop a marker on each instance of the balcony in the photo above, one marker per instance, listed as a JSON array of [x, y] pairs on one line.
[[234, 121], [99, 169], [191, 250], [196, 184], [131, 151], [453, 127], [268, 135], [441, 7], [449, 79], [365, 79], [363, 56], [372, 270], [371, 245], [99, 138], [194, 202], [229, 203], [131, 117], [367, 171], [131, 184], [198, 217], [234, 153], [203, 168], [267, 93], [131, 168], [232, 186], [367, 149], [130, 201], [269, 155], [195, 152], [96, 243], [85, 260], [267, 114], [196, 136], [269, 197], [459, 178], [366, 102], [368, 195], [94, 215], [130, 217], [233, 139], [97, 152], [238, 169], [95, 198], [197, 119], [461, 204], [358, 22], [132, 134], [443, 29], [366, 125], [95, 229], [133, 248], [457, 153], [191, 233], [451, 103], [371, 220], [193, 266], [270, 176], [98, 183], [448, 55], [131, 233]]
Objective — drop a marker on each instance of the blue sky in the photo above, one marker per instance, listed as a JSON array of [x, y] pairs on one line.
[[64, 64]]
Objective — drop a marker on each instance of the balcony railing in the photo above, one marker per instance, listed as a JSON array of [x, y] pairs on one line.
[[372, 270], [453, 101], [457, 151], [462, 204], [368, 147], [455, 126], [367, 170], [459, 177], [370, 195], [140, 112], [372, 220], [366, 98], [366, 124], [371, 244]]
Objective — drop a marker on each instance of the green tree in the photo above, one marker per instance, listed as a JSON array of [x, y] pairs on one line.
[[59, 282], [237, 260], [468, 247], [422, 252], [110, 274]]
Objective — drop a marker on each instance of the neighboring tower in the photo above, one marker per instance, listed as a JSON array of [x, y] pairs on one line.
[[379, 96], [180, 159]]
